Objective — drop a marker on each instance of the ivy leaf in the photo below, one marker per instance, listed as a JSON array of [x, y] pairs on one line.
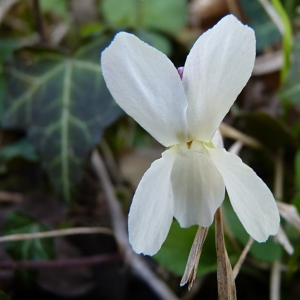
[[64, 105], [21, 148], [34, 249]]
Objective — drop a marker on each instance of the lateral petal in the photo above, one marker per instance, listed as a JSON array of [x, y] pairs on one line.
[[198, 187], [151, 212], [251, 199], [216, 70], [147, 86]]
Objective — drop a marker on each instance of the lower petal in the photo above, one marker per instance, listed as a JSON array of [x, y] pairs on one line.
[[251, 199], [151, 212], [198, 187]]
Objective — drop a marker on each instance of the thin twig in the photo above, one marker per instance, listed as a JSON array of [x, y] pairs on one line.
[[110, 162], [10, 197], [275, 283], [39, 21], [235, 134], [55, 233], [62, 263], [275, 280], [241, 260], [137, 264], [278, 178]]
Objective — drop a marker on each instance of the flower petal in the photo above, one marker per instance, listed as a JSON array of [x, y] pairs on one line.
[[218, 139], [151, 212], [216, 70], [251, 199], [198, 187], [147, 86]]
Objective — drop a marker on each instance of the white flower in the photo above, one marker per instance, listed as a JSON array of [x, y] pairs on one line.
[[189, 180]]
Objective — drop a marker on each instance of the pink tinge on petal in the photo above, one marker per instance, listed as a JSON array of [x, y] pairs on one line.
[[180, 72]]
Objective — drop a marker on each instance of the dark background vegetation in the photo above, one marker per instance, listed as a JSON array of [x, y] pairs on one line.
[[55, 111]]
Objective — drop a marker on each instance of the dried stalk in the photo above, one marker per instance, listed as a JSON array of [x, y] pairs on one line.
[[55, 233], [278, 192], [232, 133], [226, 284], [275, 281]]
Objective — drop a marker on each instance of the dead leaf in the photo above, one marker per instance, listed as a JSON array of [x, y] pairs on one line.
[[194, 256]]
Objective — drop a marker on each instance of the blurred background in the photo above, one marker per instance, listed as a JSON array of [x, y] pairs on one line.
[[70, 159]]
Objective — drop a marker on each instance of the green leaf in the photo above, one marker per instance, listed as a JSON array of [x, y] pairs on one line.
[[21, 148], [156, 40], [64, 104], [57, 6], [168, 15], [290, 90], [7, 47], [268, 251], [175, 251], [287, 38], [271, 132], [265, 30], [34, 249]]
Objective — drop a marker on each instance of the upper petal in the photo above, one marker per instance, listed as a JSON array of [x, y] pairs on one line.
[[198, 187], [151, 212], [216, 70], [251, 199], [146, 85]]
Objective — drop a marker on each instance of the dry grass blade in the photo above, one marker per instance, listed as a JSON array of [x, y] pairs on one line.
[[289, 213], [194, 256], [226, 284], [239, 263], [232, 133], [283, 239], [55, 233]]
